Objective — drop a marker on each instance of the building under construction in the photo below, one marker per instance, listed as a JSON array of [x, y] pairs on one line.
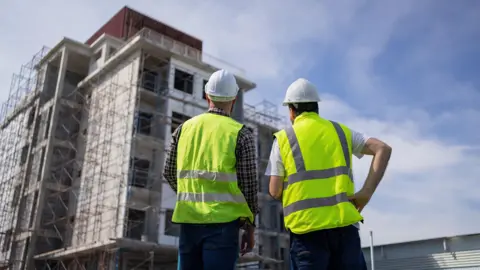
[[82, 147]]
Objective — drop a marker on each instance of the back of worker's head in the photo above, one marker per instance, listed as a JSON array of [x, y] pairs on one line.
[[302, 96], [221, 90]]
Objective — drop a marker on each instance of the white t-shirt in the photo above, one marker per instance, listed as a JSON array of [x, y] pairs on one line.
[[275, 165]]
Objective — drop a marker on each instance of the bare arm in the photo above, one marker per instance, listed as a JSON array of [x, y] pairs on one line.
[[381, 155], [275, 187], [276, 171]]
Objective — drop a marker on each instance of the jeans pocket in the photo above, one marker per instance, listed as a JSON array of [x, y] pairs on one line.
[[299, 252], [223, 236]]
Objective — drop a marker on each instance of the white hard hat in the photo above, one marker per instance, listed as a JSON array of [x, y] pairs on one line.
[[222, 86], [301, 91]]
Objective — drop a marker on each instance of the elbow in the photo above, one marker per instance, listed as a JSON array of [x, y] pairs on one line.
[[386, 150], [276, 187], [276, 195]]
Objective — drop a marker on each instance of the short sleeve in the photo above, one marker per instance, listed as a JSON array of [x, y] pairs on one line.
[[275, 165], [358, 142]]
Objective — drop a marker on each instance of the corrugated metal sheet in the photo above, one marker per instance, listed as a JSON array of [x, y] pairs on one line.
[[463, 268], [443, 261]]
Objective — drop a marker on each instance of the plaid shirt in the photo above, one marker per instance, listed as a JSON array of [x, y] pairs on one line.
[[246, 163]]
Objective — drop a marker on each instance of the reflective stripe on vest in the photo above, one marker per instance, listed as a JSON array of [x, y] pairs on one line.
[[209, 197], [217, 176], [302, 174]]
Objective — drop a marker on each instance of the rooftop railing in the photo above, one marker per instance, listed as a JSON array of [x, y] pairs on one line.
[[182, 49]]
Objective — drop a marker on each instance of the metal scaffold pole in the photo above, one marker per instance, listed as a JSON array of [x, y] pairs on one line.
[[372, 257]]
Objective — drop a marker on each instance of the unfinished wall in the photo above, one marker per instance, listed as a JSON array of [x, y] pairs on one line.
[[104, 176]]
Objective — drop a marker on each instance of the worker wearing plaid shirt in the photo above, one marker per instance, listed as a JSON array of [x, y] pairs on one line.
[[216, 245]]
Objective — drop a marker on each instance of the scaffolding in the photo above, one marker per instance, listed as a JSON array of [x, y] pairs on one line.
[[101, 128], [16, 121], [98, 174]]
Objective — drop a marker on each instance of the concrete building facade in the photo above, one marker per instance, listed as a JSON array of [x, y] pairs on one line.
[[83, 139]]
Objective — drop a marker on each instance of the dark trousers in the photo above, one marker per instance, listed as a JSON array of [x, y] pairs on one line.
[[331, 249], [208, 247]]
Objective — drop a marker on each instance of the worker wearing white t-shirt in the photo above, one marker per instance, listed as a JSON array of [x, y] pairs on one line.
[[310, 171]]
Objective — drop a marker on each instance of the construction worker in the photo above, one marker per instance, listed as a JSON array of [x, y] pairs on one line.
[[311, 173], [212, 168]]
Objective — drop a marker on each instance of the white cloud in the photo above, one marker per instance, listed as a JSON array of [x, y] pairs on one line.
[[428, 188]]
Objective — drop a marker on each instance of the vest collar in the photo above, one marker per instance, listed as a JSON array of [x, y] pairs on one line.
[[218, 111], [304, 116]]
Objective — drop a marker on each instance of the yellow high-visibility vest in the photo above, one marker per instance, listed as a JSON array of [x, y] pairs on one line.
[[318, 178], [207, 190]]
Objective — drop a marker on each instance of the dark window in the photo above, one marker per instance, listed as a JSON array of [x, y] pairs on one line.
[[178, 119], [34, 209], [25, 252], [171, 229], [42, 161], [111, 51], [204, 96], [282, 253], [49, 119], [97, 55], [31, 117], [16, 195], [144, 124], [273, 217], [135, 224], [274, 248], [282, 223], [23, 155], [183, 81], [7, 240], [140, 168], [149, 80]]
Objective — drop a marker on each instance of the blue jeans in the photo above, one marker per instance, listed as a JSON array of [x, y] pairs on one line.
[[331, 249], [209, 246]]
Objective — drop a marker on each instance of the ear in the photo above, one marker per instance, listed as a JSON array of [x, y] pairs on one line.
[[291, 113], [209, 101]]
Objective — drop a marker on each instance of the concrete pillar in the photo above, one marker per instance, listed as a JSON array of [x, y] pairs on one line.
[[237, 112]]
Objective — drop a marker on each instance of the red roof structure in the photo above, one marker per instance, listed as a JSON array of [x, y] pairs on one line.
[[127, 22]]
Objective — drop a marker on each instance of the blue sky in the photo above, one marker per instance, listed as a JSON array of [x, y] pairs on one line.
[[403, 71]]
